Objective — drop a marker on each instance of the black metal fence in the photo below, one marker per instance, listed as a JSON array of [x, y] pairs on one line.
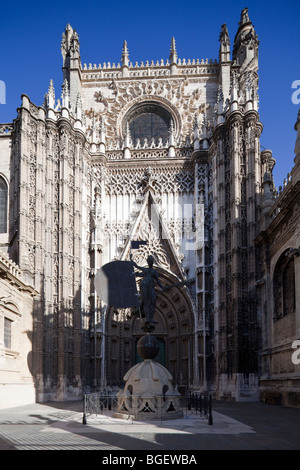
[[200, 403], [191, 404], [96, 403]]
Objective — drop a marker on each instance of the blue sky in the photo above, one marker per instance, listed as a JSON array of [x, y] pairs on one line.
[[30, 37]]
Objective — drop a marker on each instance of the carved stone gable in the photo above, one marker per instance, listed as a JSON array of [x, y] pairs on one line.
[[149, 226]]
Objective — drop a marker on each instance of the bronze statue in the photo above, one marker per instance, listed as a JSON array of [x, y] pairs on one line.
[[147, 289], [148, 292]]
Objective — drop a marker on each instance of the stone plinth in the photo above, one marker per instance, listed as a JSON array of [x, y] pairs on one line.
[[148, 394]]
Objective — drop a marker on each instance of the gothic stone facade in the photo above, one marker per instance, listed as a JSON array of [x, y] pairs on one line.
[[278, 274], [165, 152]]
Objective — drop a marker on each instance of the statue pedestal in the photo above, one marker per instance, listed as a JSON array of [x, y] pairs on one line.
[[148, 394]]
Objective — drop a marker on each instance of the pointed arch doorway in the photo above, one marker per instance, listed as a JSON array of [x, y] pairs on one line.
[[175, 317]]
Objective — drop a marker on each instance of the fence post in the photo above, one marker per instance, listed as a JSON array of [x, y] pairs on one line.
[[84, 410], [210, 418]]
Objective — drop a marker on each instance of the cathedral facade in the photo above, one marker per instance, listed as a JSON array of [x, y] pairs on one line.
[[163, 153]]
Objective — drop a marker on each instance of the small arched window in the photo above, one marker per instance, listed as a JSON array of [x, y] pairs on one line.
[[284, 286], [3, 205]]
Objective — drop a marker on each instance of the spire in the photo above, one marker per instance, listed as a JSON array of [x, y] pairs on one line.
[[70, 47], [246, 42], [224, 51], [65, 95], [125, 55], [49, 101], [51, 95], [70, 50], [125, 60], [65, 42], [173, 52], [173, 57]]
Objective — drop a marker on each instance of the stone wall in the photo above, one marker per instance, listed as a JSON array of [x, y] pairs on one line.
[[17, 386]]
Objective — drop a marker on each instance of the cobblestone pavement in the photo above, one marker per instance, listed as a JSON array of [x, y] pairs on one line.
[[236, 426]]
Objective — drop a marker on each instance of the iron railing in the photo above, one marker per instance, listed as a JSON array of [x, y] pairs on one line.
[[200, 403], [191, 404]]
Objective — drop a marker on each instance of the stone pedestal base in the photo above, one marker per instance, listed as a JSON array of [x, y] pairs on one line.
[[148, 394]]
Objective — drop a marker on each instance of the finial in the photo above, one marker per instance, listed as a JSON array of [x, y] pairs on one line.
[[70, 43], [196, 133], [78, 107], [244, 17], [125, 54], [51, 95], [65, 96], [224, 36], [51, 87], [224, 52], [173, 52]]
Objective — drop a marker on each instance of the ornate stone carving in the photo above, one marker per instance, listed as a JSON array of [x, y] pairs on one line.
[[171, 94]]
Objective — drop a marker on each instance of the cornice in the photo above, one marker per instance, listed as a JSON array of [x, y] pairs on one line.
[[6, 272], [96, 160]]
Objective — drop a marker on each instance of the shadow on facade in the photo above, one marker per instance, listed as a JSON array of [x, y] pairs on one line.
[[174, 330]]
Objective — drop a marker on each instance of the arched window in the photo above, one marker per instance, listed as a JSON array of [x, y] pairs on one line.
[[148, 121], [284, 286], [288, 287], [3, 205]]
